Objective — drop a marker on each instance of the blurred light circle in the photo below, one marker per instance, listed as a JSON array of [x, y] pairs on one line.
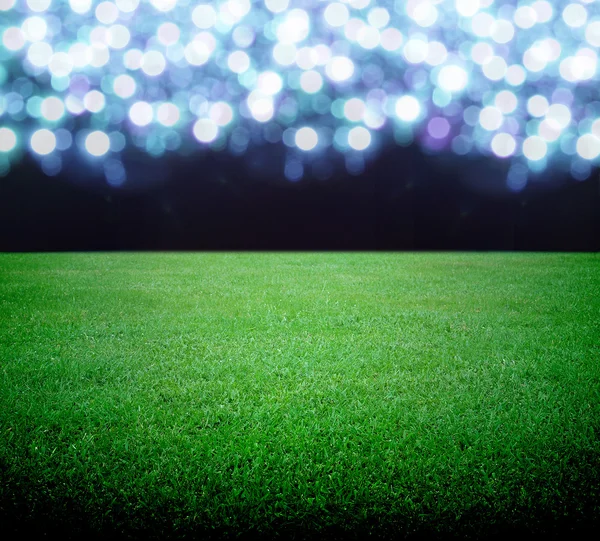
[[535, 148], [168, 114], [503, 145], [43, 142], [306, 138], [52, 108], [588, 146], [359, 138], [8, 140], [205, 130], [407, 108], [97, 143], [141, 113]]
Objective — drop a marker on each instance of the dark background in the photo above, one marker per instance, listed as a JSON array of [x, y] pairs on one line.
[[403, 201]]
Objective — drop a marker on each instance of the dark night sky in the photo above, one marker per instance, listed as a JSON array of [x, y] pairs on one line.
[[403, 201]]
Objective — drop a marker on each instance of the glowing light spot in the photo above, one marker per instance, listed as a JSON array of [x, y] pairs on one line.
[[199, 50], [436, 53], [168, 33], [269, 83], [13, 38], [52, 109], [467, 8], [124, 86], [167, 114], [415, 51], [537, 105], [495, 68], [543, 10], [238, 61], [94, 101], [295, 27], [221, 113], [535, 148], [339, 68], [43, 142], [378, 17], [141, 113], [8, 140], [575, 15], [153, 63], [34, 28], [261, 106], [6, 5], [549, 130], [354, 109], [481, 24], [506, 101], [97, 143], [452, 78], [107, 12], [60, 64], [80, 6], [38, 5], [164, 5], [204, 16], [336, 14], [306, 138], [205, 130], [126, 6], [423, 12], [359, 138], [407, 108], [592, 33], [515, 75], [311, 81], [118, 36], [502, 31], [277, 6], [503, 145], [588, 146], [525, 17], [438, 127], [560, 114], [491, 118], [391, 39]]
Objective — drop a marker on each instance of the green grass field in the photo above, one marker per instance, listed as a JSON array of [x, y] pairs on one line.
[[319, 395]]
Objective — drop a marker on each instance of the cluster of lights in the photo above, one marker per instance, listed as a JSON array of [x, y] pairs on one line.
[[515, 80]]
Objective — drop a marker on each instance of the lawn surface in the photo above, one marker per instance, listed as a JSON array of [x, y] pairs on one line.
[[278, 394]]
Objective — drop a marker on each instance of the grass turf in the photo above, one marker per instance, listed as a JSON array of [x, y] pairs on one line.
[[338, 395]]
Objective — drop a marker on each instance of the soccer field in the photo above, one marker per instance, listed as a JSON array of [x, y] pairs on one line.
[[324, 395]]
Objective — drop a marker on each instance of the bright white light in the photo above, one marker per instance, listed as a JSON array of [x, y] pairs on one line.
[[339, 68], [6, 5], [52, 108], [336, 14], [359, 138], [354, 109], [238, 62], [60, 64], [481, 24], [537, 105], [515, 75], [491, 118], [535, 148], [261, 106], [13, 38], [43, 142], [452, 78], [153, 63], [204, 16], [311, 81], [306, 58], [495, 68], [588, 146], [141, 113], [80, 6], [575, 15], [163, 5], [502, 31], [269, 83], [277, 6], [198, 51], [306, 138], [97, 143], [167, 114], [407, 108], [34, 28], [543, 10], [549, 130], [560, 114], [504, 145], [107, 12], [467, 8], [525, 17], [592, 33], [94, 101], [295, 27], [436, 53], [39, 54], [423, 12], [378, 17], [391, 39], [118, 36], [38, 5], [126, 6], [205, 130], [8, 140], [221, 113], [415, 50], [506, 101], [168, 33], [124, 86]]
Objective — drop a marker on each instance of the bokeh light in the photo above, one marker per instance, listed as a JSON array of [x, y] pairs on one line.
[[516, 81]]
